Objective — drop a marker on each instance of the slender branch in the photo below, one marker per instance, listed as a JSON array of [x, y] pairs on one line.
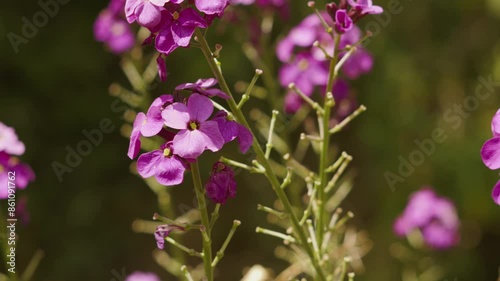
[[186, 273], [246, 95], [202, 206], [302, 236], [189, 251], [271, 211], [347, 120], [269, 145], [220, 253], [280, 235]]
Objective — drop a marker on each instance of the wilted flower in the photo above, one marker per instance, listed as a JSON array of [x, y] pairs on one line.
[[221, 184], [203, 87], [434, 216], [162, 231]]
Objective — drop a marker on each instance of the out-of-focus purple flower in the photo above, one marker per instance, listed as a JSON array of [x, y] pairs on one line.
[[178, 29], [231, 130], [21, 174], [142, 276], [197, 133], [221, 184], [203, 87], [9, 142], [365, 7], [359, 63], [495, 193], [166, 166], [114, 32], [434, 216], [343, 22]]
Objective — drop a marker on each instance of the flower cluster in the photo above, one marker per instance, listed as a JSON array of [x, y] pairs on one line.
[[111, 28], [303, 52], [10, 148], [172, 24], [188, 128], [490, 153], [434, 216]]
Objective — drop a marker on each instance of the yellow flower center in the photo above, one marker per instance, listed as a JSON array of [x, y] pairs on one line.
[[2, 169], [193, 125], [167, 152], [175, 15], [303, 64]]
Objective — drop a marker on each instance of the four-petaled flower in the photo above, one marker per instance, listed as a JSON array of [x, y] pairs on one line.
[[365, 7], [197, 133], [166, 166], [490, 153]]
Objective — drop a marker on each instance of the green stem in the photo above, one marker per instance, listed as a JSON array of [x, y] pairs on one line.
[[260, 153], [323, 160], [202, 206]]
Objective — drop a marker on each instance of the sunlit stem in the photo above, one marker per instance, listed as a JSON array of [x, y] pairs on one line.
[[288, 178], [298, 168], [308, 210], [310, 138], [272, 211], [215, 216], [189, 251], [271, 176], [269, 145], [327, 27], [240, 165], [186, 273], [246, 95], [280, 235], [343, 60], [348, 119], [337, 163], [319, 46], [220, 107], [220, 253], [150, 72], [312, 236], [331, 184], [345, 263], [307, 99], [343, 221], [205, 231], [351, 276], [32, 266], [333, 221], [133, 76]]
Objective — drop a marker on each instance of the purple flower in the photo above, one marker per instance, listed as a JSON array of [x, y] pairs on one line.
[[365, 7], [150, 124], [197, 133], [231, 130], [495, 193], [142, 276], [359, 63], [203, 87], [490, 153], [221, 184], [162, 231], [23, 173], [343, 22], [178, 29], [211, 7], [9, 142], [434, 216], [114, 32], [147, 13], [166, 166]]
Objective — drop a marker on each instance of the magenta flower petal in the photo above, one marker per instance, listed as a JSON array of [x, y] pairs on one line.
[[189, 144], [162, 68], [9, 141], [176, 116], [228, 129], [495, 124], [213, 139], [165, 42], [245, 138], [221, 184], [495, 193], [490, 153], [24, 175], [200, 107], [135, 137], [147, 163], [130, 6], [343, 22], [170, 171], [211, 7], [149, 15]]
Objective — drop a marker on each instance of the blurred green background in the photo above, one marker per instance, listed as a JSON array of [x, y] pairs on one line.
[[427, 58]]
